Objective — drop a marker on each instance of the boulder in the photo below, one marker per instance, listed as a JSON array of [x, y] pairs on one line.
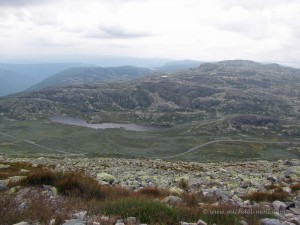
[[176, 190], [172, 200], [3, 185], [16, 179], [50, 189], [294, 220], [75, 222], [201, 222], [279, 206], [243, 222], [22, 223], [106, 177], [131, 221], [295, 211], [80, 215], [268, 221]]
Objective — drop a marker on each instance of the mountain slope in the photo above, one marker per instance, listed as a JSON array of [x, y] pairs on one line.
[[174, 66], [90, 75], [214, 90], [18, 77]]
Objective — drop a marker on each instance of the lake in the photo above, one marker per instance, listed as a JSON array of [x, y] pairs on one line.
[[82, 123]]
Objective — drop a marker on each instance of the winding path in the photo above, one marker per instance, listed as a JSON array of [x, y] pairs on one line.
[[38, 145], [226, 140]]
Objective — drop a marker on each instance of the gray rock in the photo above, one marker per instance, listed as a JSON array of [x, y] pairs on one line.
[[201, 222], [51, 189], [75, 222], [106, 177], [119, 223], [294, 220], [295, 211], [16, 179], [243, 222], [131, 221], [81, 215], [267, 221], [22, 223], [3, 185], [287, 223], [279, 206], [184, 223], [172, 200]]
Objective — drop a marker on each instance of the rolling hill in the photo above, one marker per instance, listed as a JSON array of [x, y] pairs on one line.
[[91, 75], [15, 78], [228, 100]]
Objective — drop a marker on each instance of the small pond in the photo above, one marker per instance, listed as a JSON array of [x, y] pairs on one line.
[[79, 122]]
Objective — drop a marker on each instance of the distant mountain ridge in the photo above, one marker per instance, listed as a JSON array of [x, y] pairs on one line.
[[257, 93], [173, 66], [18, 77], [91, 75]]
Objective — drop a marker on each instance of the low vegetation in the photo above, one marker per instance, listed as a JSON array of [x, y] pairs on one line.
[[270, 196], [80, 192]]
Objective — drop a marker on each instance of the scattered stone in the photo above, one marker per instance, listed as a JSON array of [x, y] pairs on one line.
[[75, 222], [14, 189], [287, 223], [270, 222], [287, 190], [295, 211], [243, 222], [2, 166], [3, 185], [172, 200], [24, 171], [279, 206], [201, 222], [52, 222], [51, 189], [294, 220], [22, 223], [81, 215], [106, 177], [15, 179], [176, 190], [131, 221]]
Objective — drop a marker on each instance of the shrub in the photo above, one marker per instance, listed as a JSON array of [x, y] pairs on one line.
[[74, 184], [183, 184], [145, 210], [295, 187], [8, 210], [277, 194], [42, 177], [152, 193]]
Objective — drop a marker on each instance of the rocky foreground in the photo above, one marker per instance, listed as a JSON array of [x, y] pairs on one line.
[[227, 183]]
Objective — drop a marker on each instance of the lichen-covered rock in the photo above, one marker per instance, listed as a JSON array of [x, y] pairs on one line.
[[172, 200], [176, 190], [106, 177]]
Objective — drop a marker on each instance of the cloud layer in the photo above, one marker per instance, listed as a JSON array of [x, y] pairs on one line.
[[204, 30]]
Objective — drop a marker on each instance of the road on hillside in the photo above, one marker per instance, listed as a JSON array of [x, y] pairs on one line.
[[38, 145], [227, 140]]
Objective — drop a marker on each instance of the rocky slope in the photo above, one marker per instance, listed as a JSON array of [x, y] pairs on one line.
[[226, 183], [214, 90]]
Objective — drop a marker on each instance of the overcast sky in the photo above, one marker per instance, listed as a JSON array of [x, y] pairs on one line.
[[260, 30]]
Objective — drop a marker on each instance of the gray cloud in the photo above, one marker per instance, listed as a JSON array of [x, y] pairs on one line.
[[116, 33], [17, 3]]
